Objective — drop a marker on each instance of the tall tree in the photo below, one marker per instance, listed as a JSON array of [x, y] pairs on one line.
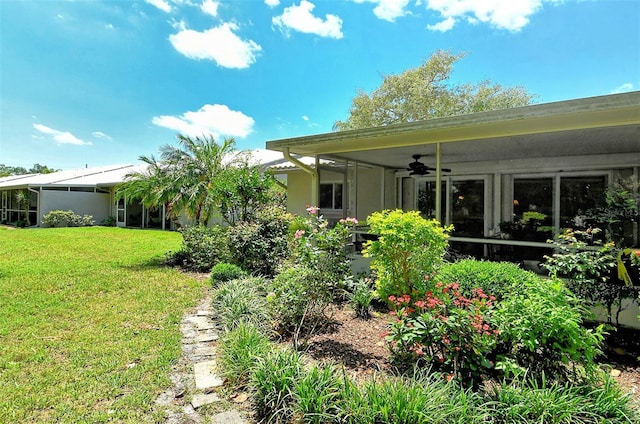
[[425, 92], [183, 178]]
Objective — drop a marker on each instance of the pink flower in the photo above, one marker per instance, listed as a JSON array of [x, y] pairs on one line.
[[313, 210], [299, 234]]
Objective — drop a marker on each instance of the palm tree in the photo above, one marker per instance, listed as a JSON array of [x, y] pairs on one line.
[[183, 178]]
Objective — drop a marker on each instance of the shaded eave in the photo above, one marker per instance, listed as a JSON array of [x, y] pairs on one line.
[[619, 112]]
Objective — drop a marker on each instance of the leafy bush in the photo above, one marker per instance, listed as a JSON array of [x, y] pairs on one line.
[[360, 298], [259, 246], [203, 247], [60, 218], [322, 248], [541, 332], [223, 272], [408, 248], [497, 278], [109, 221], [589, 266], [297, 298], [452, 333], [273, 382], [242, 301], [240, 349], [318, 395]]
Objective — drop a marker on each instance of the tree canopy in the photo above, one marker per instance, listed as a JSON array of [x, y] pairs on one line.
[[426, 92], [5, 170]]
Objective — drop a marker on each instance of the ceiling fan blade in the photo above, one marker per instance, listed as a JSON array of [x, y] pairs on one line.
[[441, 169]]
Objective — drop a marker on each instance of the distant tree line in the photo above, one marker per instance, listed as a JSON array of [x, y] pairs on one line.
[[5, 170]]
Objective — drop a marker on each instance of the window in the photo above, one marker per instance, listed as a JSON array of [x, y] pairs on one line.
[[578, 195], [427, 199], [532, 210], [467, 208], [330, 196]]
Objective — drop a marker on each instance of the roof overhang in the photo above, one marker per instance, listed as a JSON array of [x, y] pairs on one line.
[[596, 125]]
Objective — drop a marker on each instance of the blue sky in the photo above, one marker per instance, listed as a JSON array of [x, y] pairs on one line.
[[104, 82]]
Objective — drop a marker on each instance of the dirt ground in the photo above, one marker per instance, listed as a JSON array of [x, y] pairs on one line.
[[357, 343]]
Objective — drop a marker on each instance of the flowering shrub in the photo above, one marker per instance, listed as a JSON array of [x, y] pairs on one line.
[[450, 332], [590, 269], [408, 248], [322, 249]]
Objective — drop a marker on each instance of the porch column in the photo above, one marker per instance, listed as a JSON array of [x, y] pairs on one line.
[[438, 184]]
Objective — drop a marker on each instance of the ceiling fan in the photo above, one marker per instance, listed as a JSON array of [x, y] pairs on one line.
[[418, 168]]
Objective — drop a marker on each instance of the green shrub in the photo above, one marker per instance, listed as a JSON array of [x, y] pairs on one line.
[[109, 221], [318, 395], [240, 350], [589, 268], [223, 272], [360, 298], [408, 248], [259, 246], [242, 300], [203, 247], [322, 248], [273, 382], [541, 332], [60, 218], [297, 298], [495, 278]]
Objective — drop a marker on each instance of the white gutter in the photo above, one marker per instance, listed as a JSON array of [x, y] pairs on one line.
[[309, 170]]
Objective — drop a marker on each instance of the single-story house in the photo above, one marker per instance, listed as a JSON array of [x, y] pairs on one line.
[[85, 191], [90, 191], [507, 179]]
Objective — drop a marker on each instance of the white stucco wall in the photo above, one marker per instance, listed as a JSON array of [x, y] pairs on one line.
[[96, 204], [298, 192]]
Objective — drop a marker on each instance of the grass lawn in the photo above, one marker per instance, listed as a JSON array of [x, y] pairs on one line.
[[89, 323]]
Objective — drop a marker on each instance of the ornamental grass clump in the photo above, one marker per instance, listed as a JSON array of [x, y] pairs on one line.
[[240, 349], [273, 383], [242, 300]]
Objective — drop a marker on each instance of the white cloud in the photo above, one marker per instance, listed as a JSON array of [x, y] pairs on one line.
[[109, 26], [272, 3], [504, 14], [210, 7], [219, 44], [160, 4], [100, 134], [388, 10], [61, 137], [443, 26], [217, 120], [300, 18], [627, 86], [305, 118]]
